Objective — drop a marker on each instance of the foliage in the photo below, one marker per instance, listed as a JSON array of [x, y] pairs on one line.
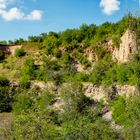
[[80, 118], [82, 59], [100, 69], [28, 69], [34, 116], [4, 81], [50, 43], [33, 112], [126, 113], [19, 52], [6, 95], [2, 55], [27, 73], [116, 40]]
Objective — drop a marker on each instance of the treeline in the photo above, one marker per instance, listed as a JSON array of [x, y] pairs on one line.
[[85, 34]]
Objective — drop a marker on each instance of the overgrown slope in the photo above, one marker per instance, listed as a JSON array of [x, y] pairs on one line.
[[65, 61]]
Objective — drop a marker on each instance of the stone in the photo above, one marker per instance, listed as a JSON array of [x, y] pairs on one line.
[[98, 93], [127, 48]]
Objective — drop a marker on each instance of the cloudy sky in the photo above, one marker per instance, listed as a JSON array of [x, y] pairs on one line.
[[21, 18]]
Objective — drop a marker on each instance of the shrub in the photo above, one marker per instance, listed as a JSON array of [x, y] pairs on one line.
[[125, 112], [116, 40], [28, 69], [5, 95], [6, 99], [24, 82], [32, 117], [19, 52], [3, 81], [2, 55]]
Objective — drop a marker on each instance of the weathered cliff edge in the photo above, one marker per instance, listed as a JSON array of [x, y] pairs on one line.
[[99, 92], [126, 49], [95, 92]]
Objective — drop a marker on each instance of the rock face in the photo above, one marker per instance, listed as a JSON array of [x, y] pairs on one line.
[[98, 92], [8, 49], [95, 92], [5, 49], [91, 57], [127, 48]]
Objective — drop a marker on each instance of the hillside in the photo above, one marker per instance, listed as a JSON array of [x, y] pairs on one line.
[[74, 85]]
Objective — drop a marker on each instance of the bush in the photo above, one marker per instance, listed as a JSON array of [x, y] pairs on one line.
[[24, 82], [3, 81], [19, 52], [28, 69], [116, 40], [126, 112], [80, 119], [6, 99], [2, 55], [32, 117], [6, 95]]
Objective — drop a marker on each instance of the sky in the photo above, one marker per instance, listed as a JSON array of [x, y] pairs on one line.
[[22, 18]]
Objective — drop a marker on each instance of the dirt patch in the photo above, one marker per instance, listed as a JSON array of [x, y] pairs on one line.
[[5, 119], [12, 49]]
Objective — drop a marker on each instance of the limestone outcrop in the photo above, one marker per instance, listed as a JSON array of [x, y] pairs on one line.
[[91, 57], [95, 92], [127, 48], [98, 92]]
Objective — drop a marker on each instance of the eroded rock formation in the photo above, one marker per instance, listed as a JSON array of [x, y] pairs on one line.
[[98, 92], [8, 49], [127, 48]]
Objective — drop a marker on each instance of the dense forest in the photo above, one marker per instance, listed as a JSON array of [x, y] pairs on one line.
[[61, 110]]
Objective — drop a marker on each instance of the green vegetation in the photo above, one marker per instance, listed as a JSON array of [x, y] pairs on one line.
[[46, 98], [2, 56], [79, 119], [6, 95], [126, 113], [19, 52]]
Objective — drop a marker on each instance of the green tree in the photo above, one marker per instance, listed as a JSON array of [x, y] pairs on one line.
[[33, 117], [28, 72], [80, 118], [126, 113]]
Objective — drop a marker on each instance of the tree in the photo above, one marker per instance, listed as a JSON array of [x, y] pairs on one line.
[[19, 41], [33, 117], [50, 43], [80, 116], [27, 73], [125, 112]]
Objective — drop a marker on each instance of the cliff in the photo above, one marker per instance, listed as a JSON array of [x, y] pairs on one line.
[[127, 47]]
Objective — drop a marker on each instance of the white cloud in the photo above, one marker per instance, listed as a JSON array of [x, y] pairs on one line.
[[12, 14], [3, 3], [16, 14], [2, 6], [110, 6], [34, 15]]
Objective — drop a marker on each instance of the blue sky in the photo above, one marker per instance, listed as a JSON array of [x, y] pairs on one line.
[[21, 18]]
